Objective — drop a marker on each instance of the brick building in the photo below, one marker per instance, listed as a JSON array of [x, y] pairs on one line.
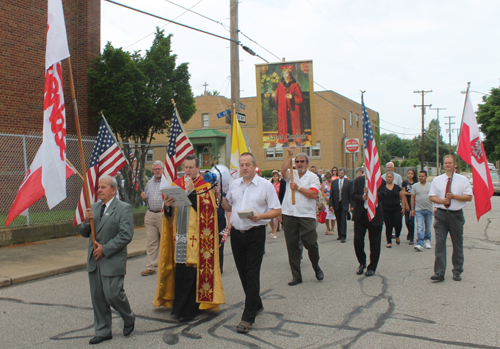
[[336, 116], [23, 26]]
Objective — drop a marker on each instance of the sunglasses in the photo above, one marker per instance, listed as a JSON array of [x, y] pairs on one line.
[[300, 161]]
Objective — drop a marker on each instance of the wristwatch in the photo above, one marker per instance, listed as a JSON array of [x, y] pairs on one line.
[[298, 188]]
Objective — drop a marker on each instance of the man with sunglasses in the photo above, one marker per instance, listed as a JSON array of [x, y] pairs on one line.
[[299, 219]]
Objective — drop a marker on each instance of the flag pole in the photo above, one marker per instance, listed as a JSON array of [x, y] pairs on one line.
[[291, 176], [80, 146]]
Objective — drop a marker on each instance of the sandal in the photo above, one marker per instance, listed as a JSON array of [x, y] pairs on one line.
[[243, 327], [327, 232], [275, 237], [332, 233], [398, 241], [389, 246]]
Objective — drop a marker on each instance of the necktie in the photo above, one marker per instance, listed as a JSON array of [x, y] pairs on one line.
[[447, 191], [340, 189], [102, 210]]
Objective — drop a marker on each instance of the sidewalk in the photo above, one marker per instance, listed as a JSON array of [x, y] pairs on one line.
[[21, 263]]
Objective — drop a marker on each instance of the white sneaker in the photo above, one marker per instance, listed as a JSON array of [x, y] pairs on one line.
[[427, 244], [418, 248]]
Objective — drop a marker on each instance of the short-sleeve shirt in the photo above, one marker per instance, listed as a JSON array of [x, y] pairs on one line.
[[390, 198], [459, 186], [407, 186], [259, 194], [421, 193], [153, 194], [304, 207]]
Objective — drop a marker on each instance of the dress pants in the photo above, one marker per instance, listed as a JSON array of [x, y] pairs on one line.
[[449, 222], [185, 291], [341, 216], [410, 225], [152, 222], [301, 229], [375, 237], [393, 221], [248, 251], [107, 291]]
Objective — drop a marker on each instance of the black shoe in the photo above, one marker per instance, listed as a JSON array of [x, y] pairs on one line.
[[411, 242], [457, 277], [319, 274], [370, 273], [295, 282], [437, 277], [127, 330], [342, 241], [185, 318], [360, 269], [98, 339]]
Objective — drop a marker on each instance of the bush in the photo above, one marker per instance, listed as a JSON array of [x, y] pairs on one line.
[[396, 163]]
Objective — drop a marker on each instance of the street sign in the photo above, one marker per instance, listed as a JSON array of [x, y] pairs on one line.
[[224, 113], [242, 106], [241, 117], [352, 145]]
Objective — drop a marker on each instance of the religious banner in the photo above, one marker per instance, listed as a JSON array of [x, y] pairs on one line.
[[285, 104]]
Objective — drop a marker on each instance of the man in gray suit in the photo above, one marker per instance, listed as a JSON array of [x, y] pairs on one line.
[[106, 264]]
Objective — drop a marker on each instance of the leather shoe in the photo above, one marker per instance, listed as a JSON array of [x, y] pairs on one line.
[[319, 274], [437, 277], [360, 269], [295, 282], [127, 330], [370, 273], [98, 339], [457, 277], [342, 241], [185, 318]]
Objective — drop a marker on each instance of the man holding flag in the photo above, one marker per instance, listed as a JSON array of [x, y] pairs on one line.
[[367, 214]]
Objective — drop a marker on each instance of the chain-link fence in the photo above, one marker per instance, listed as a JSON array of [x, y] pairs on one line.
[[17, 153]]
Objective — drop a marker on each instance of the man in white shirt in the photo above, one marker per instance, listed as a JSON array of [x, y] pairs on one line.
[[450, 193], [397, 178], [299, 219], [248, 235]]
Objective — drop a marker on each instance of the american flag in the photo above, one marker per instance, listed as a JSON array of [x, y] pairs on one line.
[[107, 159], [179, 146], [372, 163]]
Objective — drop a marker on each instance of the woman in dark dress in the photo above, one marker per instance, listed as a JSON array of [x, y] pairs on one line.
[[391, 205], [409, 220]]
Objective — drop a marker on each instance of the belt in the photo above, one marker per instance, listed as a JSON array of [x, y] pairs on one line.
[[154, 211], [448, 210], [249, 230]]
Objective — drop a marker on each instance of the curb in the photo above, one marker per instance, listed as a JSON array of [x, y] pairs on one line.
[[17, 279]]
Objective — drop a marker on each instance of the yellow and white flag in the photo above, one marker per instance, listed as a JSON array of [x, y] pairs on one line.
[[238, 146]]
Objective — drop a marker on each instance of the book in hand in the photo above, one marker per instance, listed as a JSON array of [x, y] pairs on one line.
[[178, 194], [243, 214]]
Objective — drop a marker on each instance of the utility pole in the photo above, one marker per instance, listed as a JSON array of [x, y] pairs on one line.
[[422, 92], [449, 123], [437, 138], [235, 59]]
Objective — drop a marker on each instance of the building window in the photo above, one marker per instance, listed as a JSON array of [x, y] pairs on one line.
[[274, 153], [357, 121], [313, 151], [350, 119], [343, 126], [204, 120], [150, 155]]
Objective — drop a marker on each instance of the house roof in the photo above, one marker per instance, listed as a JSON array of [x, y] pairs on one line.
[[206, 133]]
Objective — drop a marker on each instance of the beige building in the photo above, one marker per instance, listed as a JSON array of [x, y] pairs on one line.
[[337, 118]]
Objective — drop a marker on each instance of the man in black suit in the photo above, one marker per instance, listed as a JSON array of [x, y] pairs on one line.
[[340, 196], [362, 223]]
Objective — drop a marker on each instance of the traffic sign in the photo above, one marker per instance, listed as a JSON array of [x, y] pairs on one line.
[[242, 106], [241, 117], [352, 145], [224, 113]]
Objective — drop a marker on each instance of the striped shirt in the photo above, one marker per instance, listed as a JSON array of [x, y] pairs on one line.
[[153, 194]]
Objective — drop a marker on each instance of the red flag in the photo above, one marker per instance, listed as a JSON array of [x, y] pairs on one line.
[[31, 189], [106, 160], [179, 146], [471, 150], [372, 164]]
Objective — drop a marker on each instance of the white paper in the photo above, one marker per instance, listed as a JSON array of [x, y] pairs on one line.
[[243, 214], [178, 194]]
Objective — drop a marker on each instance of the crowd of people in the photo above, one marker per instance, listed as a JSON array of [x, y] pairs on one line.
[[185, 242]]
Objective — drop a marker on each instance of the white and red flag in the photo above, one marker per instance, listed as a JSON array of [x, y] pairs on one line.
[[179, 146], [471, 150], [106, 160], [54, 115], [48, 172], [372, 164]]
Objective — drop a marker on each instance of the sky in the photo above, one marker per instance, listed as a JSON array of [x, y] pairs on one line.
[[388, 48]]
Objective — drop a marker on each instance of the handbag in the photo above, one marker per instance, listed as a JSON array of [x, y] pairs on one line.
[[322, 217]]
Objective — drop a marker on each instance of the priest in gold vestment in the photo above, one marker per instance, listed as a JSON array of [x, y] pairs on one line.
[[189, 277]]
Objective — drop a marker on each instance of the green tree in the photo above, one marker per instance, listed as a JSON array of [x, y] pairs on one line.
[[134, 92], [429, 145], [488, 117]]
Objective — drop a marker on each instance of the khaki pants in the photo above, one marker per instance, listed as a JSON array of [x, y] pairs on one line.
[[152, 221]]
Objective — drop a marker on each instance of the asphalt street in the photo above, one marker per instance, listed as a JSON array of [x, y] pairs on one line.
[[400, 307]]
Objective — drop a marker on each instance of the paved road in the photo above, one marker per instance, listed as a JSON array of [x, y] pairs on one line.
[[398, 308]]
